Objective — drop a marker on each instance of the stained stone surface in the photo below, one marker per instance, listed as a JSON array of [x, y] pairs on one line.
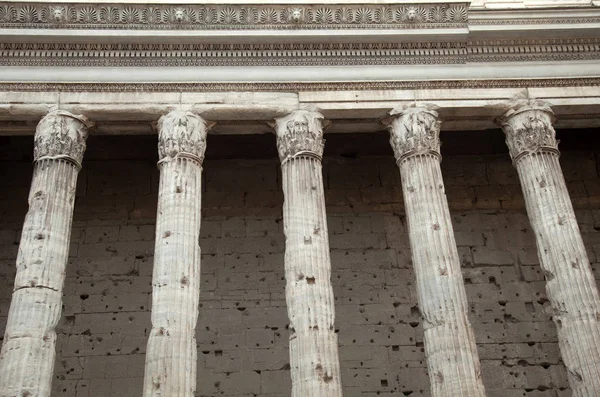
[[452, 359], [314, 357], [571, 288], [241, 332], [171, 356]]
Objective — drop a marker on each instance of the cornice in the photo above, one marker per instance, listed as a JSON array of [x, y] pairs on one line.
[[15, 15], [160, 55]]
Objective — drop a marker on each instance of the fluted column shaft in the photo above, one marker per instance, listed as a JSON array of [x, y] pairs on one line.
[[570, 284], [171, 352], [450, 348], [29, 349], [315, 368]]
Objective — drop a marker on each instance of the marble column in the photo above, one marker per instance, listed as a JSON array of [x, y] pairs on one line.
[[570, 284], [452, 359], [314, 360], [29, 349], [171, 352]]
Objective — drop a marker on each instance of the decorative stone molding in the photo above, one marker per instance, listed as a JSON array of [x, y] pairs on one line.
[[298, 86], [61, 134], [415, 131], [231, 16], [181, 133], [296, 54], [528, 128], [300, 132]]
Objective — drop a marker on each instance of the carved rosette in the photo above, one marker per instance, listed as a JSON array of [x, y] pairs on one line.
[[300, 132], [181, 133], [528, 128], [415, 130], [61, 134]]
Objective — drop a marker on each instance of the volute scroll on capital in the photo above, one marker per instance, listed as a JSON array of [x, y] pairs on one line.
[[415, 130], [300, 133], [181, 134], [528, 128], [61, 135]]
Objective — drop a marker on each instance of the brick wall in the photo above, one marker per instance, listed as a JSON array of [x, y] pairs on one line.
[[242, 334]]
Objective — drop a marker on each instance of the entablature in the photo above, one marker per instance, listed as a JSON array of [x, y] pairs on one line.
[[351, 107]]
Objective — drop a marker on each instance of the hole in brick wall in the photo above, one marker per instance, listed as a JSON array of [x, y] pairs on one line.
[[395, 348], [310, 280], [218, 353], [384, 383]]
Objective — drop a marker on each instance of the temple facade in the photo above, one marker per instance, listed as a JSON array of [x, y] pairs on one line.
[[174, 223]]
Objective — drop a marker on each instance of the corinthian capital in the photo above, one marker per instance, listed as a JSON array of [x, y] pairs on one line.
[[528, 128], [181, 133], [300, 132], [415, 130], [61, 134]]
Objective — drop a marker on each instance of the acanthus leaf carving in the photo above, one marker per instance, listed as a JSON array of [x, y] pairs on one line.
[[528, 128], [61, 134], [300, 132], [415, 130], [181, 133]]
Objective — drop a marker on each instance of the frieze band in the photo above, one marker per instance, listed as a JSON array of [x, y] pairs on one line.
[[210, 17]]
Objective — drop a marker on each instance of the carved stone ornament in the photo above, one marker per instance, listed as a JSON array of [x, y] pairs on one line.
[[181, 133], [415, 130], [61, 134], [300, 132], [528, 128], [231, 16]]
